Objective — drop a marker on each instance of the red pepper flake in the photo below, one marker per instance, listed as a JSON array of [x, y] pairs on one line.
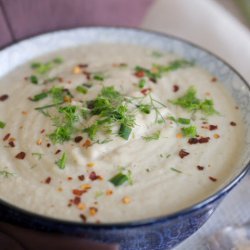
[[83, 65], [83, 217], [87, 143], [212, 178], [183, 153], [42, 131], [236, 107], [176, 88], [193, 141], [20, 155], [48, 145], [77, 200], [93, 211], [81, 177], [140, 74], [233, 124], [12, 144], [6, 137], [48, 180], [213, 127], [69, 178], [146, 91], [93, 176], [3, 98], [78, 139], [87, 74], [58, 151], [204, 139], [153, 80], [60, 79], [200, 167], [214, 79], [78, 192]]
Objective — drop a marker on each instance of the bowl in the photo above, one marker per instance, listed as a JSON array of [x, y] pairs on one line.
[[163, 232]]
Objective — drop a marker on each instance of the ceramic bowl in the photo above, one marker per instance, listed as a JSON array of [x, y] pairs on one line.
[[156, 233]]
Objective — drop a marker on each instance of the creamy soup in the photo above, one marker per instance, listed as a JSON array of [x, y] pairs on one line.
[[113, 133]]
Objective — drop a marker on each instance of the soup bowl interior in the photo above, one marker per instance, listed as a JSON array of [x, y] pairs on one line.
[[155, 233]]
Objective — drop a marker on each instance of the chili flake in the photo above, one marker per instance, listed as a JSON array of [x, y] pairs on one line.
[[109, 192], [78, 192], [77, 200], [78, 139], [176, 88], [81, 177], [203, 139], [93, 176], [233, 124], [12, 144], [86, 186], [90, 164], [20, 155], [200, 167], [81, 206], [126, 200], [83, 217], [6, 137], [87, 143], [58, 151], [39, 142], [212, 178], [216, 136], [3, 98], [214, 79], [146, 91], [48, 180], [213, 127], [140, 74], [183, 153], [93, 211]]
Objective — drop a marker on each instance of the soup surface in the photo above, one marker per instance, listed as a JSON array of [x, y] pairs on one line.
[[112, 133]]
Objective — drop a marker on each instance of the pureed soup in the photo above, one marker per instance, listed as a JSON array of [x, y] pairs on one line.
[[113, 133]]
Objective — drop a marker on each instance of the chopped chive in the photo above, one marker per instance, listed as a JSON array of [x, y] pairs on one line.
[[81, 89], [145, 108], [176, 170], [61, 163], [39, 97], [142, 83], [119, 179], [34, 79], [189, 131], [2, 124], [124, 131], [154, 136], [98, 77], [183, 121], [49, 106]]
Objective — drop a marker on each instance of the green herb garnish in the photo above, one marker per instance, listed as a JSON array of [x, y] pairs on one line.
[[145, 108], [142, 83], [189, 131], [34, 79], [38, 155], [176, 170], [119, 179], [81, 89], [39, 97], [98, 77], [6, 173], [2, 124], [183, 121], [190, 102], [152, 137], [61, 163], [124, 131]]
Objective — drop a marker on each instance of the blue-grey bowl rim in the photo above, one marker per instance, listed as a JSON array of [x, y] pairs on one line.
[[123, 225]]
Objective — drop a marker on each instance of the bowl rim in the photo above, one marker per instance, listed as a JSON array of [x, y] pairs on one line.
[[142, 222]]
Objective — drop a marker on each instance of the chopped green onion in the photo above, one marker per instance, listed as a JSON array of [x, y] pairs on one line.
[[124, 131], [176, 170], [39, 97], [81, 89], [154, 136], [189, 131], [142, 83], [183, 121], [2, 124], [98, 77], [61, 163], [34, 79], [119, 179]]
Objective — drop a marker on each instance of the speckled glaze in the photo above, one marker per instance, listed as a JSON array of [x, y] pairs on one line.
[[156, 233]]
